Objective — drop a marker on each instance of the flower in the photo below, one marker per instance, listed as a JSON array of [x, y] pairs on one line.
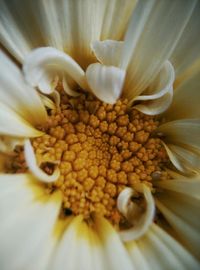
[[94, 135]]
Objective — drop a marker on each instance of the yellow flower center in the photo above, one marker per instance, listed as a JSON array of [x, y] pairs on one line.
[[99, 149]]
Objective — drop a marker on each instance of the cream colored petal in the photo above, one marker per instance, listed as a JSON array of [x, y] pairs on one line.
[[188, 158], [13, 125], [187, 51], [105, 82], [108, 52], [117, 15], [78, 248], [182, 213], [186, 100], [140, 221], [161, 251], [72, 26], [17, 95], [187, 186], [27, 228], [174, 159], [182, 132], [7, 144], [161, 85], [34, 168], [156, 106], [138, 259], [154, 30], [41, 61], [116, 256], [47, 102]]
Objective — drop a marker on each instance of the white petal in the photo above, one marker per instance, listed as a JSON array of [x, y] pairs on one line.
[[156, 106], [10, 34], [182, 213], [47, 102], [13, 125], [188, 186], [186, 100], [34, 168], [117, 15], [161, 251], [138, 259], [188, 158], [108, 52], [105, 82], [17, 95], [72, 25], [141, 224], [116, 256], [41, 61], [154, 30], [187, 50], [161, 85], [78, 248], [182, 132], [27, 228], [174, 159]]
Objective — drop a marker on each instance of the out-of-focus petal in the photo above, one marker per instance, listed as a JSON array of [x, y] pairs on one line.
[[26, 223], [117, 15], [185, 100], [34, 167], [40, 64], [105, 82], [181, 209], [116, 256], [154, 30], [187, 51], [19, 96], [80, 241], [108, 52], [158, 250], [14, 125]]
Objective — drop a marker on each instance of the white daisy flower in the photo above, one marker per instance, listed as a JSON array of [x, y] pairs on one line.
[[99, 134]]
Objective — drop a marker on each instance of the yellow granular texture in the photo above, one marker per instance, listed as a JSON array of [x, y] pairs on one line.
[[100, 149]]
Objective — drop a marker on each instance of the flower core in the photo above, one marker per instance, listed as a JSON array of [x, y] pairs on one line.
[[99, 149]]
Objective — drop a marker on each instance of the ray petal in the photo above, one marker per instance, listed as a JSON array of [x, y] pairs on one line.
[[185, 100], [43, 61], [19, 96], [161, 251], [116, 256], [108, 52], [78, 241], [187, 51], [106, 82], [129, 210], [13, 125], [34, 168], [181, 207], [27, 225], [154, 30]]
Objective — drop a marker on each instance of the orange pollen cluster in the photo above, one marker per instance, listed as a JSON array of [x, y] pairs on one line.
[[100, 149]]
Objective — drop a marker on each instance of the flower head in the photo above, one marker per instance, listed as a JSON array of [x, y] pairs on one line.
[[99, 135]]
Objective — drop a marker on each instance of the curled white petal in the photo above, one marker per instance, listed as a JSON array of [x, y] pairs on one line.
[[33, 167], [156, 106], [127, 208], [161, 85], [108, 52], [42, 62], [158, 96], [106, 82]]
